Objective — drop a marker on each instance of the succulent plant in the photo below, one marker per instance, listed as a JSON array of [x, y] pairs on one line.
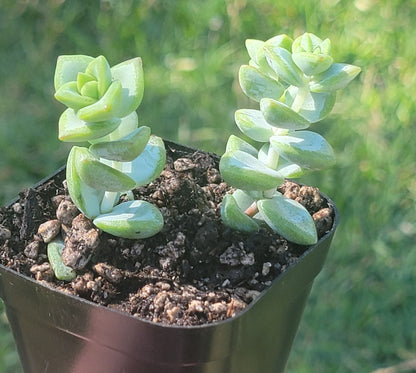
[[119, 155], [295, 84]]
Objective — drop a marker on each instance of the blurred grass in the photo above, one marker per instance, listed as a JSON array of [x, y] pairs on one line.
[[360, 316]]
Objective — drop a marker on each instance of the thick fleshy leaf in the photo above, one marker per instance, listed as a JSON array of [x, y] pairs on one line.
[[243, 199], [311, 63], [68, 95], [336, 77], [130, 74], [148, 165], [83, 78], [234, 217], [132, 219], [90, 89], [98, 175], [61, 271], [100, 69], [280, 60], [252, 123], [305, 148], [73, 129], [237, 143], [315, 107], [311, 43], [289, 218], [280, 115], [87, 199], [253, 46], [68, 67], [282, 41], [106, 108], [244, 171], [257, 85], [128, 124], [125, 149]]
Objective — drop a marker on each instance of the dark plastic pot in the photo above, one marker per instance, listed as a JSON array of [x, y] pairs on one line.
[[60, 333]]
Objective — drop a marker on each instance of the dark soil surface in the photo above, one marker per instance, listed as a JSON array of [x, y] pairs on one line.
[[195, 271]]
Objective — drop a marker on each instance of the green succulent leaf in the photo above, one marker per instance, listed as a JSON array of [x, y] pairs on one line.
[[285, 168], [280, 41], [257, 85], [243, 199], [133, 220], [288, 218], [311, 43], [234, 217], [130, 74], [68, 67], [148, 165], [252, 123], [83, 78], [90, 89], [125, 149], [98, 175], [253, 46], [315, 107], [237, 143], [61, 271], [280, 60], [73, 129], [280, 115], [68, 95], [100, 69], [336, 77], [106, 108], [127, 125], [87, 199], [307, 149], [244, 171], [311, 63]]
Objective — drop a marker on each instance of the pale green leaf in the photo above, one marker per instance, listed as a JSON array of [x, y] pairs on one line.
[[98, 175], [148, 165], [244, 171], [130, 74], [307, 149], [234, 217], [315, 107], [61, 271], [100, 69], [237, 143], [68, 95], [132, 219], [106, 108], [257, 85], [87, 199], [280, 60], [252, 123], [312, 64], [68, 67], [336, 77], [127, 125], [90, 89], [288, 218], [73, 129], [280, 115], [125, 149]]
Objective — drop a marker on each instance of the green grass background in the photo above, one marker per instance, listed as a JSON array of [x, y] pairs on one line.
[[361, 314]]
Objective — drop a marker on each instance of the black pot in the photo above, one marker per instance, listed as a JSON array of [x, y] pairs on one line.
[[60, 333]]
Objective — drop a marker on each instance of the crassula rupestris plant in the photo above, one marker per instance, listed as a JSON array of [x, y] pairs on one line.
[[118, 156], [295, 83]]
